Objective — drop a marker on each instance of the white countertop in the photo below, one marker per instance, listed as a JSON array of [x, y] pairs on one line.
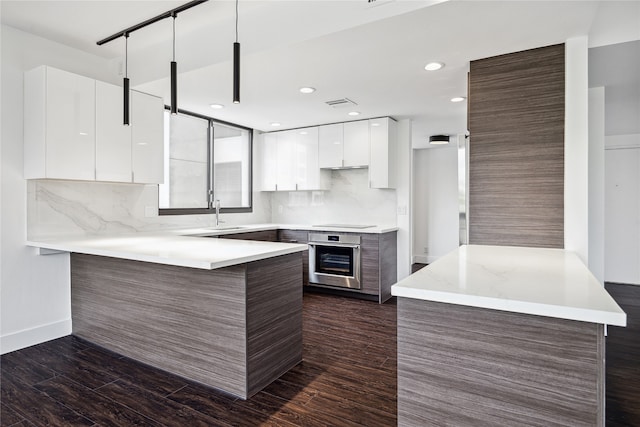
[[172, 249], [187, 247], [231, 229], [544, 282]]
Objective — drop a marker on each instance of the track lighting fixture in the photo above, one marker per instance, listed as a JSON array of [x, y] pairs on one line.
[[236, 64], [173, 13], [174, 72], [125, 82]]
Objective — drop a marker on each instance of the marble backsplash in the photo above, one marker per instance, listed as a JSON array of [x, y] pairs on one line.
[[68, 208], [76, 208], [350, 201]]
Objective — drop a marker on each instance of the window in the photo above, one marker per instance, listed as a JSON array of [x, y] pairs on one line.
[[205, 160]]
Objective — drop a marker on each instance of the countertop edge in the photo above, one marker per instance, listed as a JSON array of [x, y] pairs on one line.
[[514, 306], [178, 262]]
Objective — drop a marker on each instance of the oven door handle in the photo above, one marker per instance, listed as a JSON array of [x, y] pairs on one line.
[[341, 245]]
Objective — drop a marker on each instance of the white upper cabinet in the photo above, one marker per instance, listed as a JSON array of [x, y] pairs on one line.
[[147, 138], [344, 145], [382, 166], [59, 130], [73, 130], [356, 144], [331, 140], [308, 174], [290, 161], [269, 156], [113, 139], [286, 161]]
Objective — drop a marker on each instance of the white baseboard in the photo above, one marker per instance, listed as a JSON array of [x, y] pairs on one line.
[[33, 336]]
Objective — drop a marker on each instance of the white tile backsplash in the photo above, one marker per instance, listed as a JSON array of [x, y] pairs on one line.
[[350, 201]]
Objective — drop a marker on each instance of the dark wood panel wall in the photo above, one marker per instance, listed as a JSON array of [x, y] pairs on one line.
[[516, 150]]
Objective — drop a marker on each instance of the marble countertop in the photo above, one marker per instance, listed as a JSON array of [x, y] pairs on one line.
[[189, 247], [247, 228], [545, 282], [172, 249]]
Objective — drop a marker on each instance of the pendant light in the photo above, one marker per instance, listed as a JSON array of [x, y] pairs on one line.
[[236, 64], [174, 72], [125, 83]]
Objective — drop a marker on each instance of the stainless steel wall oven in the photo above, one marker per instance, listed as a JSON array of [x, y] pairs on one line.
[[334, 260]]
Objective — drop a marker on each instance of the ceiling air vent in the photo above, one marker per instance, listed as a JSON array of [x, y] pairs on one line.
[[342, 102]]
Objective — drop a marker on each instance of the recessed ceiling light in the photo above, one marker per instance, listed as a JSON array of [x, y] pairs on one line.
[[375, 124], [307, 89], [433, 66], [275, 124], [216, 106], [304, 132], [354, 113], [458, 99]]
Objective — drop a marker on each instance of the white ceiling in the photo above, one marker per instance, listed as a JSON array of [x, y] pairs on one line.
[[371, 53]]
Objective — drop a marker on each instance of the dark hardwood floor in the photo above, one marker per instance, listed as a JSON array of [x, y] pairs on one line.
[[623, 360], [347, 378]]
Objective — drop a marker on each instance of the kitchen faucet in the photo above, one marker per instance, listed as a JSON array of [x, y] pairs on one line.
[[216, 204]]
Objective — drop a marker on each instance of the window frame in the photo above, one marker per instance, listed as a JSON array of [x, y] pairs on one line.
[[210, 171]]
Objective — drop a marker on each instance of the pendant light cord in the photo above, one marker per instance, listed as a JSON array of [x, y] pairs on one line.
[[236, 21]]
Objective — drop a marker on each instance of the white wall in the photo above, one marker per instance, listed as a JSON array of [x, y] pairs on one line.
[[622, 209], [576, 148], [596, 182], [435, 202], [35, 292], [404, 197]]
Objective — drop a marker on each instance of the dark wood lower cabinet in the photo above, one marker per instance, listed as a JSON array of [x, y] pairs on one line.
[[302, 237], [468, 366], [236, 328], [263, 235]]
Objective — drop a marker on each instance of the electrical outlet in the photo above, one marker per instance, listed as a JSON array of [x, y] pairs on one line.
[[402, 210], [425, 250]]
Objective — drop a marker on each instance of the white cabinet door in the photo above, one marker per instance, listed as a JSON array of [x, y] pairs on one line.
[[331, 146], [269, 156], [113, 139], [286, 160], [309, 176], [59, 115], [70, 126], [147, 138], [382, 164], [356, 143]]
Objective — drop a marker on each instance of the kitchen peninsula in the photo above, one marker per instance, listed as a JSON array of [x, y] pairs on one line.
[[503, 336], [226, 313]]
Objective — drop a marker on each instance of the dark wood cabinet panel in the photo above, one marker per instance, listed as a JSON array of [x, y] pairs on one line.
[[263, 236], [235, 328], [301, 237], [516, 149], [468, 366]]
